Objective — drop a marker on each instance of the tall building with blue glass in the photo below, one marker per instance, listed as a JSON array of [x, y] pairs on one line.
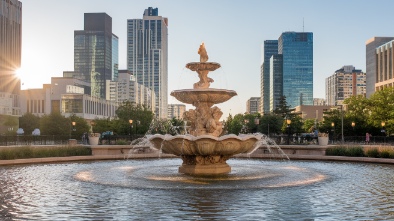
[[297, 54], [147, 55], [270, 48], [95, 52]]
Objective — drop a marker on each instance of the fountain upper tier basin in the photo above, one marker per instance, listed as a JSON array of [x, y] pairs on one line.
[[203, 66], [208, 95], [204, 145]]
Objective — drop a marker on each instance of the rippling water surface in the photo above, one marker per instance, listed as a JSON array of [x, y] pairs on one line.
[[153, 190]]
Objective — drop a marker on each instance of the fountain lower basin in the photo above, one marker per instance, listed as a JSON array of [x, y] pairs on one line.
[[205, 154]]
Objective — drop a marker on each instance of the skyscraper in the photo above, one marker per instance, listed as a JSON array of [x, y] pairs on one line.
[[370, 59], [297, 51], [93, 52], [270, 48], [10, 45], [276, 81], [147, 55]]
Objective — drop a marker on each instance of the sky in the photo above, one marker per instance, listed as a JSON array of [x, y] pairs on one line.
[[233, 32]]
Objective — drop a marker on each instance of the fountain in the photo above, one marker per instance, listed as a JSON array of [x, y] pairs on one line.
[[204, 150]]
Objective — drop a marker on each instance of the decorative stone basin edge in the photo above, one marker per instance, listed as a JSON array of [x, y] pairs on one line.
[[205, 145]]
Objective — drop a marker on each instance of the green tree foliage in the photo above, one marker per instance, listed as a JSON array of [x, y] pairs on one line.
[[282, 109], [81, 126], [29, 122], [270, 124], [308, 125], [382, 108], [141, 116], [55, 124], [234, 125]]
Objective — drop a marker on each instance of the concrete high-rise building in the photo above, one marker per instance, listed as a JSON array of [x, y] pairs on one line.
[[384, 56], [10, 45], [95, 53], [270, 48], [370, 57], [297, 51], [276, 81], [147, 55], [125, 88], [10, 58], [344, 83], [176, 111], [252, 105]]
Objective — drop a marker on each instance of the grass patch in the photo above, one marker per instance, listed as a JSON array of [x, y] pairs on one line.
[[357, 151], [380, 152], [24, 152]]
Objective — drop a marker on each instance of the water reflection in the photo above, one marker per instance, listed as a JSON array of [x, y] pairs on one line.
[[152, 189]]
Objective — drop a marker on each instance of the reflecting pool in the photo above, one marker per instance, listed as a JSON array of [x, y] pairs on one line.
[[154, 190]]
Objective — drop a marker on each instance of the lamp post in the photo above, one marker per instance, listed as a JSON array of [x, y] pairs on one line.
[[354, 135], [383, 131], [257, 122], [288, 122], [342, 138], [333, 131], [131, 125], [73, 128]]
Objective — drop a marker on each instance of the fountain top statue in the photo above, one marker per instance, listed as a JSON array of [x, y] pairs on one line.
[[204, 150]]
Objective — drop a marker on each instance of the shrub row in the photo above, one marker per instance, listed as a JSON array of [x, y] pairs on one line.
[[24, 152], [358, 151]]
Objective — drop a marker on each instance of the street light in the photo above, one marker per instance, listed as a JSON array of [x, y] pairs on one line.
[[383, 131], [131, 125], [288, 122], [333, 131], [73, 123], [257, 122], [342, 138]]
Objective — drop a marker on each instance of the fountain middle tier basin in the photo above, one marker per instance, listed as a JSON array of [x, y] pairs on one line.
[[208, 95], [204, 145], [205, 154]]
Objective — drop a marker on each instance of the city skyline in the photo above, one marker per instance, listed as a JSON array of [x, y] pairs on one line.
[[234, 36]]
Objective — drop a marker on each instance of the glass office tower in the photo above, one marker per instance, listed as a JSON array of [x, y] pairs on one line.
[[147, 55], [276, 80], [297, 51], [93, 52], [270, 48], [10, 45]]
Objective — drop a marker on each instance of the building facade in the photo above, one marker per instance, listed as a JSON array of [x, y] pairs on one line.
[[384, 70], [147, 55], [270, 48], [252, 105], [67, 97], [344, 83], [126, 88], [297, 51], [10, 56], [176, 111], [276, 80], [370, 60], [94, 59]]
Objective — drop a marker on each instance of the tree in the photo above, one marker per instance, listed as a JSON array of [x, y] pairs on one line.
[[234, 125], [141, 116], [28, 122], [382, 108], [55, 124], [271, 124], [81, 126], [282, 109]]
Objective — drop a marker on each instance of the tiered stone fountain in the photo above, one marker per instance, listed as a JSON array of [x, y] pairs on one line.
[[204, 151]]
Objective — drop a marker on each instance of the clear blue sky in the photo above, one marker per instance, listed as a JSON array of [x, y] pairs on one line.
[[233, 32]]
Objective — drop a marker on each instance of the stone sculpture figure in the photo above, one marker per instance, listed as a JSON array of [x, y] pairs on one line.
[[203, 53], [214, 126]]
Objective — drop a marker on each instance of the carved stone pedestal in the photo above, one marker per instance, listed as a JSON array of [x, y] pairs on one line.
[[205, 165], [205, 170]]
